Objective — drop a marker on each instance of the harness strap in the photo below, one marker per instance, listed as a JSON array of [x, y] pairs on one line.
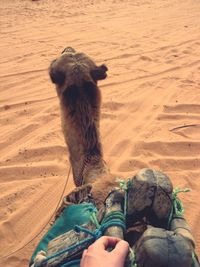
[[177, 206]]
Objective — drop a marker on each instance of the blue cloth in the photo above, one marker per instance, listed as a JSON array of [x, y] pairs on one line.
[[72, 215]]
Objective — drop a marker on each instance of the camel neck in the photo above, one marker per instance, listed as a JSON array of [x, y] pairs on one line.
[[80, 122]]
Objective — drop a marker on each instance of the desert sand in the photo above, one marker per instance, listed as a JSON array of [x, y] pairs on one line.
[[153, 89]]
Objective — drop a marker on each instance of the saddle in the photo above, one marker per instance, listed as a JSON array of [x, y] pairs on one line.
[[146, 213]]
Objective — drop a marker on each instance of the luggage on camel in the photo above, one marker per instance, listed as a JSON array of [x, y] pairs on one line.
[[145, 211]]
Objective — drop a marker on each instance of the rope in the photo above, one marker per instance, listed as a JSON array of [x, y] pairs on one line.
[[71, 263], [50, 219], [124, 185], [94, 220], [177, 206], [132, 258], [114, 215], [195, 261], [81, 243], [117, 220]]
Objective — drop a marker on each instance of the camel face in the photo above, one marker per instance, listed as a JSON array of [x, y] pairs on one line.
[[74, 69]]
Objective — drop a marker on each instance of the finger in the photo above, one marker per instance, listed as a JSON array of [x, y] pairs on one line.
[[82, 262], [104, 242], [121, 249], [84, 253], [83, 258]]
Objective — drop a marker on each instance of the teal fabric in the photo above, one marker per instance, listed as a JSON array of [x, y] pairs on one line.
[[73, 215]]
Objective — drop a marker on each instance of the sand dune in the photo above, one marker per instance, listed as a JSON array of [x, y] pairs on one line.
[[153, 89]]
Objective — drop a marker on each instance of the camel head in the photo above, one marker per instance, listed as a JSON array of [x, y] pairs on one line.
[[74, 69], [75, 76]]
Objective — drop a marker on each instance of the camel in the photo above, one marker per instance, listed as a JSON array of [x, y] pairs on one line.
[[76, 76], [164, 238]]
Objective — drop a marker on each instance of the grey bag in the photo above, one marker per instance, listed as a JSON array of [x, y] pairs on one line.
[[161, 248], [149, 197]]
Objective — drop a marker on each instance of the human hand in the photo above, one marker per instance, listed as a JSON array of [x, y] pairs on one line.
[[97, 256]]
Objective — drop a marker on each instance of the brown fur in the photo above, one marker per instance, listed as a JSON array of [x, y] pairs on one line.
[[76, 76]]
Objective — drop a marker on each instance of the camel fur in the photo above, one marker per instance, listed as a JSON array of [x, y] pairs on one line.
[[76, 76]]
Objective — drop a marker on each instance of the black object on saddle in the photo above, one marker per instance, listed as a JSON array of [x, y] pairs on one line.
[[150, 197], [165, 239], [162, 248], [158, 247]]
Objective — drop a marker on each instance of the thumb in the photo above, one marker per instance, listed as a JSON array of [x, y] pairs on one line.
[[121, 249]]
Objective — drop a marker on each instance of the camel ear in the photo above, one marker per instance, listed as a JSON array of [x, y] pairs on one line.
[[57, 76], [99, 73]]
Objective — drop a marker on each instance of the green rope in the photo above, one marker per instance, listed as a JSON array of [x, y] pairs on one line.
[[193, 259], [94, 220], [113, 215], [112, 219], [177, 208], [124, 185], [132, 258], [71, 263]]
